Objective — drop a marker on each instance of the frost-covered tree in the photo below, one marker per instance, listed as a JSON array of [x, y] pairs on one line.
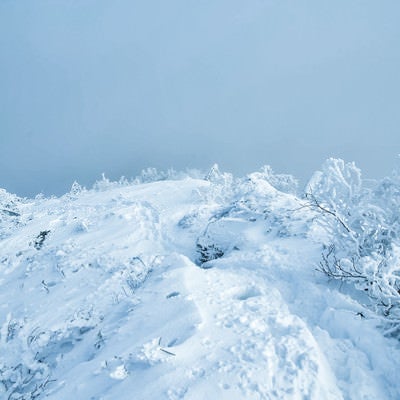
[[363, 232]]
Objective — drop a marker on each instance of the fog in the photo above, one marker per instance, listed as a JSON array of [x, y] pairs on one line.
[[118, 86]]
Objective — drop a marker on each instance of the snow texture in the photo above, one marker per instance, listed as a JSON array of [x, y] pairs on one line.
[[184, 289]]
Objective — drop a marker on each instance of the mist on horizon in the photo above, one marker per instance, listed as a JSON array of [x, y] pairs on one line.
[[116, 87]]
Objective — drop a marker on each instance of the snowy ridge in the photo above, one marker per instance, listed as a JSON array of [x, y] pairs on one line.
[[198, 288]]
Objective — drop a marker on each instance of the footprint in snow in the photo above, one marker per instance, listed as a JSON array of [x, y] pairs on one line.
[[246, 293]]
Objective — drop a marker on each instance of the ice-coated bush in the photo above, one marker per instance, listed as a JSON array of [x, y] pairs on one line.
[[283, 182], [9, 212], [363, 230], [149, 175], [23, 376]]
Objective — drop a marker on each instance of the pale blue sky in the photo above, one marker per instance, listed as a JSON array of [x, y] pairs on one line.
[[117, 86]]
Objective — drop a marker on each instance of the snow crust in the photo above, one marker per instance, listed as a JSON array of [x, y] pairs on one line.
[[104, 296]]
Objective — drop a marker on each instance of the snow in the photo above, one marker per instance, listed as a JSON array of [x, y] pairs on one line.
[[112, 302]]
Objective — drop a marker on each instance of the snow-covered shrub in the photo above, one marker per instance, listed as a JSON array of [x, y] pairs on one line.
[[152, 175], [75, 191], [221, 187], [39, 240], [283, 182], [10, 216], [9, 202], [207, 250], [363, 230], [149, 175], [104, 183], [23, 376]]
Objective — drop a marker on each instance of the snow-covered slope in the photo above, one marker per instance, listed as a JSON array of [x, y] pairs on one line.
[[180, 289]]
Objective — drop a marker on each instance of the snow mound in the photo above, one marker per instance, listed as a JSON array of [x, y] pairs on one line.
[[215, 288]]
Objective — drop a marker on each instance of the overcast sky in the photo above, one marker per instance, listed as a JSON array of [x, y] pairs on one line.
[[117, 86]]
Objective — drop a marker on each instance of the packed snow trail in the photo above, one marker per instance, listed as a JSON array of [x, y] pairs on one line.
[[102, 298]]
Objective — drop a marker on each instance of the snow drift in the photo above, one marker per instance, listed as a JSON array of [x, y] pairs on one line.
[[179, 287]]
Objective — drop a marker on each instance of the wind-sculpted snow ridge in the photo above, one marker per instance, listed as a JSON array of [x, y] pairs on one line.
[[216, 288]]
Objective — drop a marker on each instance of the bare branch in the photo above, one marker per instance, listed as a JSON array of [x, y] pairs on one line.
[[315, 203]]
